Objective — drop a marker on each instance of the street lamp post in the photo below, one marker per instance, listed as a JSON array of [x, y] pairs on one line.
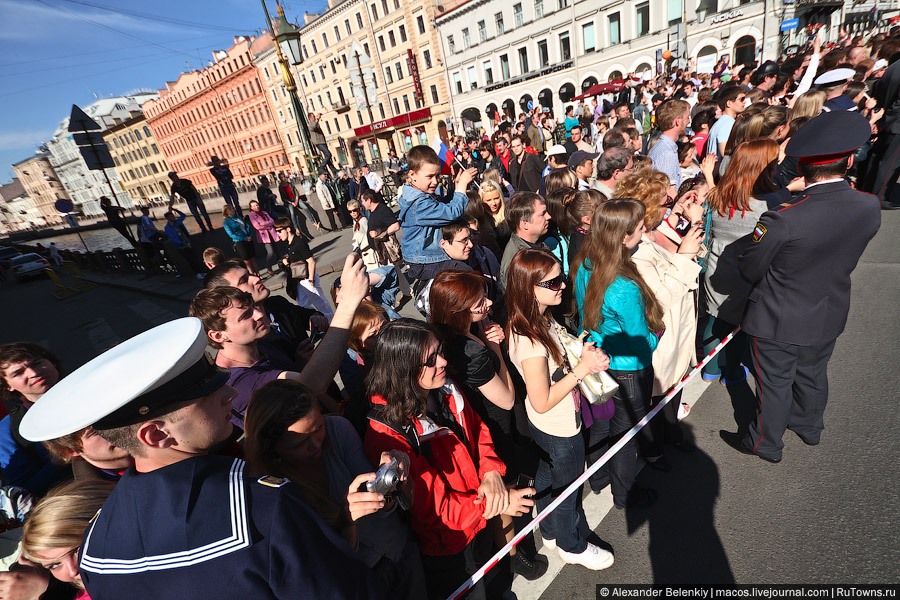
[[287, 46]]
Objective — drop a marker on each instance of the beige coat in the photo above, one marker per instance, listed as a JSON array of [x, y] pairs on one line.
[[674, 279]]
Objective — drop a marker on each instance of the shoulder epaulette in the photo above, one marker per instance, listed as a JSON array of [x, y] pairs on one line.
[[786, 205], [272, 481]]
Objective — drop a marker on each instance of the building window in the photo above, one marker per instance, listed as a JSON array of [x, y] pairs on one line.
[[434, 95], [523, 60], [324, 40], [517, 15], [543, 53], [587, 34], [488, 73], [482, 31], [642, 19], [451, 44], [565, 46], [420, 23], [674, 8], [615, 33], [392, 38], [498, 19], [405, 102], [426, 56], [314, 47], [388, 76], [359, 23], [457, 83], [374, 12], [381, 109], [396, 106], [337, 33], [538, 9], [381, 43], [504, 66], [563, 4], [347, 26], [473, 79], [467, 39], [399, 67], [384, 7]]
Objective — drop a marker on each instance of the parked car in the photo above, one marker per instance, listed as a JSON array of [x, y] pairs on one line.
[[28, 265]]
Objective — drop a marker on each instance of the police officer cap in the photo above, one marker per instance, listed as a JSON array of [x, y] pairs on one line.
[[829, 137], [835, 77], [140, 379]]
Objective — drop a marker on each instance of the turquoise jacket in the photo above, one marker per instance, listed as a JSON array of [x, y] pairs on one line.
[[623, 332]]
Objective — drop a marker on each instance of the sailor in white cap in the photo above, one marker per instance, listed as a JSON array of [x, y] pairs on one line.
[[834, 82], [184, 523]]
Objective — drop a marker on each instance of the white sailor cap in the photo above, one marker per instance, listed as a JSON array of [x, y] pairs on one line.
[[137, 380], [835, 77]]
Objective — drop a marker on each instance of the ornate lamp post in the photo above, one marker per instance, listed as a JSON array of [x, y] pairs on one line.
[[287, 47]]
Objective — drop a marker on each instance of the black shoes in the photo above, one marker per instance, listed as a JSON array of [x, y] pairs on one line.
[[660, 464], [529, 568], [736, 441]]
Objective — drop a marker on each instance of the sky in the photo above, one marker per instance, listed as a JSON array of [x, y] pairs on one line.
[[57, 53]]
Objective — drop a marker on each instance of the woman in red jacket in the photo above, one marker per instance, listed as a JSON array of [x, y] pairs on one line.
[[457, 477]]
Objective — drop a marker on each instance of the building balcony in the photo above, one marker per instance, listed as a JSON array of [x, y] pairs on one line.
[[341, 107]]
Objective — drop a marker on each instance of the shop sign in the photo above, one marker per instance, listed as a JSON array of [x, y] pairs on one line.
[[732, 14], [413, 66], [406, 120]]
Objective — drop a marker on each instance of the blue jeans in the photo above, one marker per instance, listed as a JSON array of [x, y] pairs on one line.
[[230, 193], [385, 291], [326, 160], [730, 360], [635, 388], [562, 461], [197, 208]]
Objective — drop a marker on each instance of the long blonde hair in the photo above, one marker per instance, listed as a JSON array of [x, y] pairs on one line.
[[606, 257], [808, 104], [59, 519]]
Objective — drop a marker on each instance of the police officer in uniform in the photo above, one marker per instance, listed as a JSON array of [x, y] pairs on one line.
[[800, 259], [184, 523]]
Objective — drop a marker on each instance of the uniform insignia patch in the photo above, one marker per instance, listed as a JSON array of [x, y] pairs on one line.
[[758, 232], [272, 481]]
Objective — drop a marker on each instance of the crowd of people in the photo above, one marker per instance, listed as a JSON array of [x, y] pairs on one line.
[[229, 461]]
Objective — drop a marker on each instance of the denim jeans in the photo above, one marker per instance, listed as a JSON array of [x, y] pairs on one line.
[[631, 405], [562, 461], [326, 160], [385, 291], [230, 193], [197, 208]]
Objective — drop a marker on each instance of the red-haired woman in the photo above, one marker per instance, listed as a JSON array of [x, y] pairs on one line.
[[553, 405], [742, 196], [459, 306]]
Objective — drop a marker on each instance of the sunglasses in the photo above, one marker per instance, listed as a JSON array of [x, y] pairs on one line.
[[431, 361], [280, 229], [554, 285]]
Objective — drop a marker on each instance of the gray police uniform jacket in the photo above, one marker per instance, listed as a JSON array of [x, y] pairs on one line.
[[800, 259], [200, 528]]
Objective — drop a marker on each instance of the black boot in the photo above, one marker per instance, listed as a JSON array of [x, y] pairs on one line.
[[530, 568]]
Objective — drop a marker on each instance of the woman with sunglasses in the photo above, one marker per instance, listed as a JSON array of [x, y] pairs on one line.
[[553, 403], [456, 474], [624, 318], [55, 527], [473, 346]]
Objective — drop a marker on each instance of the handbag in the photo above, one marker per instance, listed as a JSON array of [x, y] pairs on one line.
[[597, 388], [299, 270]]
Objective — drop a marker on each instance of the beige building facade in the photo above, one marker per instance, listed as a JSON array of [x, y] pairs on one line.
[[42, 185], [141, 166], [411, 88]]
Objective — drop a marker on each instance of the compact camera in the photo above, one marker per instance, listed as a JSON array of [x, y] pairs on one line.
[[387, 478]]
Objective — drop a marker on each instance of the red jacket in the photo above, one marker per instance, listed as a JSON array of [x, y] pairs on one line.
[[445, 517]]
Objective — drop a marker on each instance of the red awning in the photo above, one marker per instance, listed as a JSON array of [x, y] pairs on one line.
[[616, 85], [411, 118]]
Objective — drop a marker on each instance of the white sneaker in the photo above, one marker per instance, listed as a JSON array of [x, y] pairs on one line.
[[549, 544], [593, 558]]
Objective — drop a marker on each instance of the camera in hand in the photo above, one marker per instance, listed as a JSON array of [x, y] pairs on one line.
[[387, 477]]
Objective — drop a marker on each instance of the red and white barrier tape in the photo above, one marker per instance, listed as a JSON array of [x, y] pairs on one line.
[[576, 485]]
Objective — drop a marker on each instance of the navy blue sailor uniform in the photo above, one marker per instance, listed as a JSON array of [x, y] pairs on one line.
[[201, 528], [800, 260]]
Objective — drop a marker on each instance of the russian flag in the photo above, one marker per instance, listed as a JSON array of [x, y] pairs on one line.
[[444, 155]]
